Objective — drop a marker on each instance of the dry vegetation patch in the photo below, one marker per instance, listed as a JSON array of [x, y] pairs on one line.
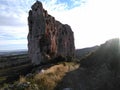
[[47, 78]]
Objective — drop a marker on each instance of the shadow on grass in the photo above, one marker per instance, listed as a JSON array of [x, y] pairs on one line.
[[98, 78]]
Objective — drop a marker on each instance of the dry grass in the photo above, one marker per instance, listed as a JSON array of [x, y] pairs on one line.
[[22, 79], [48, 79]]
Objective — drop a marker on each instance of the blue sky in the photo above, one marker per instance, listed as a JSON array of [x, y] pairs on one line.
[[93, 21]]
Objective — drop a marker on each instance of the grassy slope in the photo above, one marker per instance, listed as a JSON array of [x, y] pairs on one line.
[[98, 71], [12, 66], [45, 79]]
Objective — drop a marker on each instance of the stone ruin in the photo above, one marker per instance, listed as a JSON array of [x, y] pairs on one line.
[[47, 37]]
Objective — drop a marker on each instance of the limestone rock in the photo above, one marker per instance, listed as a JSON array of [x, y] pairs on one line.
[[48, 38]]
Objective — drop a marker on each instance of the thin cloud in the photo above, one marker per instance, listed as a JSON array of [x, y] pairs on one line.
[[11, 21], [61, 5], [93, 21], [14, 15], [21, 32]]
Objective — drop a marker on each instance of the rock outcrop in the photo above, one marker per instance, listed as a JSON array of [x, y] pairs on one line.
[[48, 38]]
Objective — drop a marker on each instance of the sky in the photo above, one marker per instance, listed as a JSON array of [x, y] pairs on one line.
[[92, 21]]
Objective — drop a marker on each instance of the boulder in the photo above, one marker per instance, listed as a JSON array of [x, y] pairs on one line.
[[47, 37]]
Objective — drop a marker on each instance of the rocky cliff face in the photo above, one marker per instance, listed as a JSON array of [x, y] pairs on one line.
[[48, 38]]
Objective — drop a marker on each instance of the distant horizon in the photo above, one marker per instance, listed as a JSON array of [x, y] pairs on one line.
[[26, 49], [14, 50]]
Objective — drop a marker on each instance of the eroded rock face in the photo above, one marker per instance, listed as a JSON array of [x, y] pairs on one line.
[[48, 38]]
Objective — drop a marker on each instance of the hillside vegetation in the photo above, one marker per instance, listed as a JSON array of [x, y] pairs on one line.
[[46, 78], [98, 70], [11, 66], [103, 67], [82, 53]]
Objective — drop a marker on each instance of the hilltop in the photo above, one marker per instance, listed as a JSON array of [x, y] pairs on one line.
[[99, 70]]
